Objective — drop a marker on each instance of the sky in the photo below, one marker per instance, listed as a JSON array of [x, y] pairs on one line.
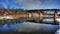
[[31, 4]]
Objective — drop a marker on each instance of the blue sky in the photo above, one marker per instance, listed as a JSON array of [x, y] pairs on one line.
[[10, 3], [31, 4]]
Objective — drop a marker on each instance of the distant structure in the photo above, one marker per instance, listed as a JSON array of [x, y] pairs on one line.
[[20, 15]]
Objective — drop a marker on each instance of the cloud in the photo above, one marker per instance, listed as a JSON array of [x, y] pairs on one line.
[[38, 4], [30, 4]]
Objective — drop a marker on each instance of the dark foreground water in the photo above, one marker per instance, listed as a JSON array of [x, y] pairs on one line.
[[28, 28]]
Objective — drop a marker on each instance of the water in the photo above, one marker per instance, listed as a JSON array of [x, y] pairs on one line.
[[27, 27]]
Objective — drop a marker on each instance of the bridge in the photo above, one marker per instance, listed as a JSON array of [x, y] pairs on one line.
[[38, 16]]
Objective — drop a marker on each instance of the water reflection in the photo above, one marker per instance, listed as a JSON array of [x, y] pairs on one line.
[[4, 28], [49, 19], [16, 25], [58, 19]]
